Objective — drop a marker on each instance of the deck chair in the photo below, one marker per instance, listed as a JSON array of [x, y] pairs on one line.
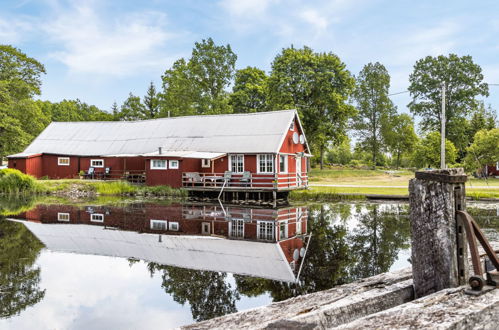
[[107, 172], [227, 177], [90, 173], [246, 179]]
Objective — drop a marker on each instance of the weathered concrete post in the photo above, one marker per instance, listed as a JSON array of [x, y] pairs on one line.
[[439, 247]]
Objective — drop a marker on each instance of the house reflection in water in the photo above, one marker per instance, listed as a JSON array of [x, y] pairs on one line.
[[265, 243]]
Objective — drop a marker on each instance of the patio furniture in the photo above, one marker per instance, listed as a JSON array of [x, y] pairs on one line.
[[107, 173], [90, 173], [246, 179], [227, 177], [193, 178]]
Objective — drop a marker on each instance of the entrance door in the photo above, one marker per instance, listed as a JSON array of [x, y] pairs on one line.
[[299, 180]]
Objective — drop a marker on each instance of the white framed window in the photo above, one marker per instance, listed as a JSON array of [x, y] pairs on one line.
[[205, 228], [265, 163], [173, 164], [298, 227], [265, 230], [158, 224], [292, 126], [236, 163], [158, 164], [173, 226], [97, 217], [63, 217], [497, 166], [283, 229], [63, 161], [205, 163], [236, 228], [97, 163], [283, 163]]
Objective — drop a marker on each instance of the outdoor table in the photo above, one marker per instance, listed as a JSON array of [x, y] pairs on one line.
[[213, 179]]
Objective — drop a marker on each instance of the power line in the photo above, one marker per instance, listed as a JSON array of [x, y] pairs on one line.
[[398, 93]]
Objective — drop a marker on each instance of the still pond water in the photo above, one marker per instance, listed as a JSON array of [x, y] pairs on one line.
[[150, 265]]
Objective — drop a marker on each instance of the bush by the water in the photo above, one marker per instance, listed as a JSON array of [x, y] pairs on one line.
[[14, 182]]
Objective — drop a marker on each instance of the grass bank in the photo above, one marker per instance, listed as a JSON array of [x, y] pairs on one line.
[[16, 183]]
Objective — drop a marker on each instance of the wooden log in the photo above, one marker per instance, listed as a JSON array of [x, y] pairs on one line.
[[439, 249]]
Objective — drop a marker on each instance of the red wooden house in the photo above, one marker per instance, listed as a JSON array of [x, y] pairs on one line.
[[491, 170], [267, 243], [265, 151]]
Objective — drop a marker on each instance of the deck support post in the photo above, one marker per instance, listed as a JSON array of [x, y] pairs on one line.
[[439, 246]]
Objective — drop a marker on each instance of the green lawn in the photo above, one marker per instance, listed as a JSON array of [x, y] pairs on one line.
[[378, 182]]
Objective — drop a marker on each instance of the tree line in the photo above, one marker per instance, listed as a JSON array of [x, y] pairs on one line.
[[333, 104]]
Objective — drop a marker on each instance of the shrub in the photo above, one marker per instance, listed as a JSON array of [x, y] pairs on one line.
[[14, 182]]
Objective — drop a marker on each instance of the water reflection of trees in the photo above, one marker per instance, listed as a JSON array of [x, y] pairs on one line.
[[208, 293], [19, 278], [339, 254]]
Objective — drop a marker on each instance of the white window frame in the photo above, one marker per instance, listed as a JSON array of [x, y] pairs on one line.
[[96, 160], [292, 126], [205, 228], [97, 217], [173, 225], [63, 217], [497, 166], [153, 167], [59, 159], [262, 230], [153, 222], [236, 228], [173, 167], [285, 164], [205, 163], [238, 156], [284, 224], [267, 156]]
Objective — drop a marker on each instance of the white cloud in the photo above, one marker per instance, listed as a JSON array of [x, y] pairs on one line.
[[314, 18], [13, 30], [119, 46]]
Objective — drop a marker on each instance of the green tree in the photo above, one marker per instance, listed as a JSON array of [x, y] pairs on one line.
[[463, 81], [484, 150], [208, 293], [151, 102], [249, 93], [318, 85], [132, 109], [374, 107], [427, 151], [399, 136], [19, 277], [341, 153], [198, 86], [22, 73]]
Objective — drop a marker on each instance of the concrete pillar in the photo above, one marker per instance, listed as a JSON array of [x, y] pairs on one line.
[[439, 246]]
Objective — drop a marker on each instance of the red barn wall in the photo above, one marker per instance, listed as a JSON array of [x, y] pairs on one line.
[[18, 164], [55, 171]]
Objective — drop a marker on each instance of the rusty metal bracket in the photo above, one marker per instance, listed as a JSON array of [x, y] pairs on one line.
[[473, 233]]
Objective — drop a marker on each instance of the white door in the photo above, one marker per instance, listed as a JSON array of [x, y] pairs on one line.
[[298, 172]]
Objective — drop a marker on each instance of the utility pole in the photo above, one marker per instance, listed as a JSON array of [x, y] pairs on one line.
[[442, 132]]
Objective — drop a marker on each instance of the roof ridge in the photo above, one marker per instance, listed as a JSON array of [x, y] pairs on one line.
[[178, 117]]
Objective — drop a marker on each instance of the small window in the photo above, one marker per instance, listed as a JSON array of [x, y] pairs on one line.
[[236, 228], [205, 163], [292, 126], [97, 217], [63, 217], [97, 163], [205, 228], [63, 161], [158, 164], [173, 164], [236, 163], [497, 166], [158, 224], [173, 226], [283, 230], [283, 163], [266, 163], [265, 230]]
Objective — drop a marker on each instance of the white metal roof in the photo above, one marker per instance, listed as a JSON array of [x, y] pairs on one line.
[[260, 132], [258, 259]]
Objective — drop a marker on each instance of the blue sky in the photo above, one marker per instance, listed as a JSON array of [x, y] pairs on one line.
[[99, 51]]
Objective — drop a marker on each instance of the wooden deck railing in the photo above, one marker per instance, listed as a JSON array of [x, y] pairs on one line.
[[270, 181]]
